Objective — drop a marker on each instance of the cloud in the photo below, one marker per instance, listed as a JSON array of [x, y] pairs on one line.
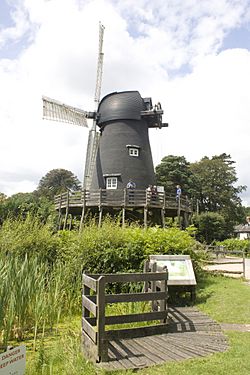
[[206, 104]]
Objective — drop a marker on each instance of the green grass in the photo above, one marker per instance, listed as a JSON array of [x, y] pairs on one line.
[[224, 299]]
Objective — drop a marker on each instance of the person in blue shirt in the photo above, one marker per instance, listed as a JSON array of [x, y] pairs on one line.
[[131, 185], [178, 192]]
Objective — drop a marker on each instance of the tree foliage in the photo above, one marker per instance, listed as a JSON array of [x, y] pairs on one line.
[[174, 170], [210, 183], [210, 226], [58, 181], [22, 204], [215, 181]]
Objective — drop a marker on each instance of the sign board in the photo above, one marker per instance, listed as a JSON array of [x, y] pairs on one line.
[[180, 268], [12, 362]]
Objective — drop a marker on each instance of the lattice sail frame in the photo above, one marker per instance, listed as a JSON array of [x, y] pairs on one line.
[[57, 111]]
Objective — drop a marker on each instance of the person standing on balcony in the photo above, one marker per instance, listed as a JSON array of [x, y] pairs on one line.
[[131, 184], [178, 192]]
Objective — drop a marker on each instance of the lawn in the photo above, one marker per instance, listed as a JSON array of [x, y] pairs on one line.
[[224, 299]]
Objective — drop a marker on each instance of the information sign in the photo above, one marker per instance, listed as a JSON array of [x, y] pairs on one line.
[[180, 268]]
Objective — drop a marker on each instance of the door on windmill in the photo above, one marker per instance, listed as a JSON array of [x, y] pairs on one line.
[[111, 183]]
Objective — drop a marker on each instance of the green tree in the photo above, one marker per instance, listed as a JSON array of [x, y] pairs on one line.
[[2, 197], [215, 188], [172, 171], [210, 226], [20, 204], [58, 181]]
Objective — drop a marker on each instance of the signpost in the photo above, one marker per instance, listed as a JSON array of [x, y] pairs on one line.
[[12, 362]]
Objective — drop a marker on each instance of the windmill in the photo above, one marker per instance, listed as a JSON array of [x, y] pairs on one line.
[[118, 147], [57, 111]]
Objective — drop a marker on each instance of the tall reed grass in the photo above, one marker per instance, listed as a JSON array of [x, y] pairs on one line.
[[33, 296]]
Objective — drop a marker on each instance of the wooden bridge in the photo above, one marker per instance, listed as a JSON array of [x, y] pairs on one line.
[[125, 200], [175, 333]]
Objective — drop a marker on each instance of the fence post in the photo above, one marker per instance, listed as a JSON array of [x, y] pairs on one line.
[[163, 302], [102, 343], [153, 287], [244, 263]]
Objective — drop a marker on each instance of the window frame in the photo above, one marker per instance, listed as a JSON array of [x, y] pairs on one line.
[[111, 183], [133, 151]]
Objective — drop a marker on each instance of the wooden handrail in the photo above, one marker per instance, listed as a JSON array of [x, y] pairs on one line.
[[119, 198]]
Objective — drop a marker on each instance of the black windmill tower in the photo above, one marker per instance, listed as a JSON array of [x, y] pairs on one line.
[[118, 145]]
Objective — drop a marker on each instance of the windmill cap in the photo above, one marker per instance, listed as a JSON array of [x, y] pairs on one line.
[[125, 105]]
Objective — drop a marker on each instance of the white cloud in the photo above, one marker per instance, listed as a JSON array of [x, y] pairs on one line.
[[144, 41]]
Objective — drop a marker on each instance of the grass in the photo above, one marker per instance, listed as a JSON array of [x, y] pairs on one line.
[[224, 299]]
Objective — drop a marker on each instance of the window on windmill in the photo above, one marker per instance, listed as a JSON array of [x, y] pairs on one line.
[[111, 183], [133, 151]]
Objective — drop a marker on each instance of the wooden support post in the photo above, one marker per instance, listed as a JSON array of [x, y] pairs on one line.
[[102, 343], [163, 218], [100, 217], [83, 209], [60, 213], [70, 221], [179, 210], [123, 216], [124, 207], [100, 209], [145, 217], [67, 212]]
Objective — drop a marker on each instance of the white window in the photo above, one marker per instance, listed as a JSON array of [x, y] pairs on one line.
[[111, 183], [133, 151]]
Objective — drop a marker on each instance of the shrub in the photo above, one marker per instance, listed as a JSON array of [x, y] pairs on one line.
[[235, 244]]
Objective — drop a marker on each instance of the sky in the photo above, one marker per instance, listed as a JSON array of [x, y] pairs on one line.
[[192, 56]]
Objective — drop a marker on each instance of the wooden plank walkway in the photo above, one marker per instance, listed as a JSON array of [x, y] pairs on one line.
[[191, 334]]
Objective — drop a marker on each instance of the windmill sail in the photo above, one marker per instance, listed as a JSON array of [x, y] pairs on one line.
[[93, 141], [92, 148], [57, 111]]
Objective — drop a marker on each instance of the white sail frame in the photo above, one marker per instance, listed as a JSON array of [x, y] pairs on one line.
[[57, 111]]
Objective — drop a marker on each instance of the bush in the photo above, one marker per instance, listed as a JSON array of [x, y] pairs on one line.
[[235, 244]]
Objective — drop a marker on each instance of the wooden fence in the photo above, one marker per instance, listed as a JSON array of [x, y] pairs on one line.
[[221, 256], [95, 336]]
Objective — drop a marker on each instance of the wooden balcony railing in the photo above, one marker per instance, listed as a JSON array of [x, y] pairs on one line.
[[120, 198]]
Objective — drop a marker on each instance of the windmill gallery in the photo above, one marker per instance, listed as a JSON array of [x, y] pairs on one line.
[[119, 168]]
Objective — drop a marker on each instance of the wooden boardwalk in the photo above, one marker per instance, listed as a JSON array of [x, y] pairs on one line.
[[191, 334]]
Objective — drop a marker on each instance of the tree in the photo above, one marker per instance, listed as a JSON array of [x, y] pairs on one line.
[[210, 226], [214, 187], [22, 204], [172, 171], [2, 197], [58, 181]]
